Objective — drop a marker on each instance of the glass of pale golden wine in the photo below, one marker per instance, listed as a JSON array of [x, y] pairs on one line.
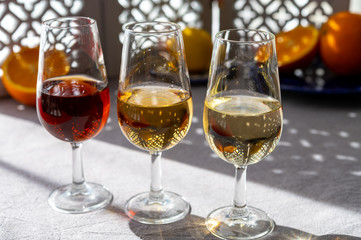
[[73, 102], [242, 121], [155, 110]]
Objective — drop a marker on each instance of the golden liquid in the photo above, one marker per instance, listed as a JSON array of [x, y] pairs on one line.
[[155, 119], [241, 129]]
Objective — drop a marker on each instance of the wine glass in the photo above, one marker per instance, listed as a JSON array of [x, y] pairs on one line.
[[242, 121], [154, 110], [73, 102]]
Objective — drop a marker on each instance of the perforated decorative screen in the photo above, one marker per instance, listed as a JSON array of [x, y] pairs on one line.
[[277, 15], [20, 21], [183, 12]]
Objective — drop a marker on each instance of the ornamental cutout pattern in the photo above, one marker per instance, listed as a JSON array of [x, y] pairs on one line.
[[20, 21]]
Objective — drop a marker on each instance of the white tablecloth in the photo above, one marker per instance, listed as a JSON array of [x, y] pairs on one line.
[[310, 185]]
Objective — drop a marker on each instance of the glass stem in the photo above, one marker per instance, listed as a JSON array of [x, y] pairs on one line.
[[156, 188], [240, 194], [78, 174]]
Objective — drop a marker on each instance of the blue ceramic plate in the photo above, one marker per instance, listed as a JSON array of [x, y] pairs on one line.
[[328, 84], [318, 79]]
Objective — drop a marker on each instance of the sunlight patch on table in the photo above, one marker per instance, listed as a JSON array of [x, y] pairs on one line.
[[108, 128], [21, 107], [305, 143], [186, 142], [269, 158], [293, 130], [355, 145], [199, 131], [318, 157], [284, 144], [18, 138], [356, 173], [319, 132], [344, 134], [195, 119], [277, 171], [346, 158]]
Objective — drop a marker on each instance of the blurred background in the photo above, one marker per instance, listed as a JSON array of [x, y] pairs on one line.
[[20, 20]]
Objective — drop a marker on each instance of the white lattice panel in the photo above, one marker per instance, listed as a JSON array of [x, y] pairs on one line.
[[194, 13], [183, 12], [277, 15], [20, 21]]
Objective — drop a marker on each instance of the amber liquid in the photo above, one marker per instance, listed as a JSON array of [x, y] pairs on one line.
[[154, 118], [242, 129], [73, 108]]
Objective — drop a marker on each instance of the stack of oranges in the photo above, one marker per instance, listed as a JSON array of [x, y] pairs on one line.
[[338, 43]]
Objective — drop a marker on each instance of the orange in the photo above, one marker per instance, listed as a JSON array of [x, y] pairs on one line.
[[198, 49], [340, 44], [20, 74], [263, 53], [21, 70], [296, 48], [55, 64]]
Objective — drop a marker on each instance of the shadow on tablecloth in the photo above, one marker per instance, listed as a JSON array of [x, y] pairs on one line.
[[193, 227]]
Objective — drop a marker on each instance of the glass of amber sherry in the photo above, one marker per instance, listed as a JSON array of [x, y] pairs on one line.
[[154, 110], [73, 102]]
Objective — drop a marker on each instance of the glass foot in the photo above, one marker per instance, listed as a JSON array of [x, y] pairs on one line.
[[168, 208], [255, 223], [80, 198]]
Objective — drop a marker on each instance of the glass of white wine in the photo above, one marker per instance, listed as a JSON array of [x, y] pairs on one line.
[[242, 121], [155, 109]]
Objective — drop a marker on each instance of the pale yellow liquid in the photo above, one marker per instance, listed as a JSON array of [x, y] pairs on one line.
[[155, 119], [242, 129]]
